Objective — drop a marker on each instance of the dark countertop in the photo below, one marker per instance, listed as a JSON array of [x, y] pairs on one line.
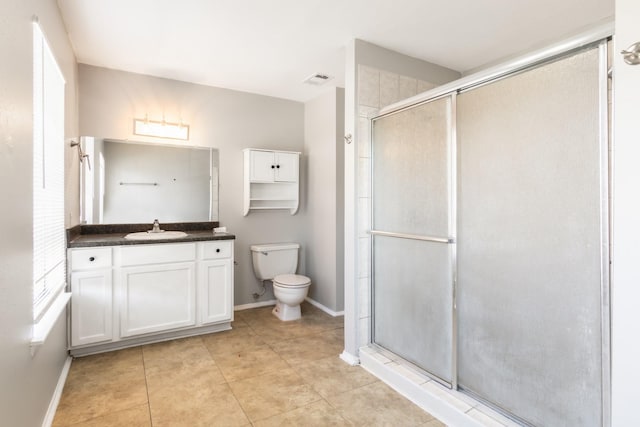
[[82, 236]]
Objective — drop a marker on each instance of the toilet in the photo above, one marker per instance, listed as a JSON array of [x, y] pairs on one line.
[[278, 262]]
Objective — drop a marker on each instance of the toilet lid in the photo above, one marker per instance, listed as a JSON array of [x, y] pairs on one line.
[[293, 280]]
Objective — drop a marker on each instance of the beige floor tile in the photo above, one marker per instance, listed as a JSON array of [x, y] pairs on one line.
[[205, 372], [281, 331], [271, 329], [192, 403], [263, 370], [107, 364], [171, 361], [91, 399], [376, 405], [310, 347], [233, 341], [273, 394], [331, 376], [256, 316], [316, 414], [170, 355], [238, 322], [134, 417], [313, 315], [101, 384], [249, 363]]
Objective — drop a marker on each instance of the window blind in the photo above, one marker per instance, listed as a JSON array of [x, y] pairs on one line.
[[49, 273]]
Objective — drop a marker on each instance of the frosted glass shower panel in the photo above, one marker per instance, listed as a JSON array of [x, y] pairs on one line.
[[413, 301], [412, 283], [530, 242], [410, 170]]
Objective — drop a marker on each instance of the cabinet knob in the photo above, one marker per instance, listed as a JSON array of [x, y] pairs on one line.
[[272, 167], [92, 258], [278, 166], [218, 250]]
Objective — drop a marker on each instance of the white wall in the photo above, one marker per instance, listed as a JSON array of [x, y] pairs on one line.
[[323, 141], [27, 383], [224, 119], [626, 223]]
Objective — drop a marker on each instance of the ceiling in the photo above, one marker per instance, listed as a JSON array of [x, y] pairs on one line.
[[270, 46]]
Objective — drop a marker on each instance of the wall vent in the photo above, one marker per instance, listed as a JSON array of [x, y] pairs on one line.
[[317, 79]]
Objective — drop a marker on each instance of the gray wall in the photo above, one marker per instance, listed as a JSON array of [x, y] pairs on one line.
[[323, 141], [224, 119], [27, 382]]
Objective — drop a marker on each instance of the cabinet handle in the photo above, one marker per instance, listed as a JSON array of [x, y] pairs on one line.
[[92, 258], [272, 167], [218, 250], [278, 166]]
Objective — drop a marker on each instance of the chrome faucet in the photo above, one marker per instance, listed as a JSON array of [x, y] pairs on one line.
[[156, 226]]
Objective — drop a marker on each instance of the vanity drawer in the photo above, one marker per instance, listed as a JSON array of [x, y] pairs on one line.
[[83, 259], [216, 249]]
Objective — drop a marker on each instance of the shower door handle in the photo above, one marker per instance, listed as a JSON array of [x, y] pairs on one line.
[[412, 236]]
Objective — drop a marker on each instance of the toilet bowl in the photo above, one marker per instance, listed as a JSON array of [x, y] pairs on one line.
[[278, 262], [290, 290]]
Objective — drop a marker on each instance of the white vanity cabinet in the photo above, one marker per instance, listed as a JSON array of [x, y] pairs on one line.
[[157, 288], [135, 294], [92, 300], [271, 180], [216, 272]]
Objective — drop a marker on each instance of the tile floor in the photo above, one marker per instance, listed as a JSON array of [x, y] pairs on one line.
[[262, 373]]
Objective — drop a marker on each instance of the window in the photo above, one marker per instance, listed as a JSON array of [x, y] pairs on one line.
[[49, 247]]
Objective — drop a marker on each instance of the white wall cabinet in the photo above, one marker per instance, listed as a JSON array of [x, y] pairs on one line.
[[271, 180], [134, 294]]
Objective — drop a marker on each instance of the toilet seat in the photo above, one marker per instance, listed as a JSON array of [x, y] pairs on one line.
[[291, 280]]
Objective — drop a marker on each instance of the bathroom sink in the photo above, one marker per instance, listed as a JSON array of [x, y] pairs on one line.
[[146, 235]]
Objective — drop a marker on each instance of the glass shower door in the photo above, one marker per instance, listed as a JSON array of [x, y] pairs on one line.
[[532, 248], [412, 228]]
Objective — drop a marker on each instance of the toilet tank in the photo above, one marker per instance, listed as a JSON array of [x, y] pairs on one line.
[[271, 259]]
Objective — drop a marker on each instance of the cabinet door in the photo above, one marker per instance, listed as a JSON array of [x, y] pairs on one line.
[[261, 166], [286, 167], [91, 307], [156, 298], [216, 291]]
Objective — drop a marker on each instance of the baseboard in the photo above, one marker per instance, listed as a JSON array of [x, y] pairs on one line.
[[254, 305], [57, 394], [324, 308], [349, 358]]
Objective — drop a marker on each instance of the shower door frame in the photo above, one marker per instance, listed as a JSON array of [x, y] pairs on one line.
[[599, 38]]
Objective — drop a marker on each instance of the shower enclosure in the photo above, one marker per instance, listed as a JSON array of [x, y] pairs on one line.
[[490, 247]]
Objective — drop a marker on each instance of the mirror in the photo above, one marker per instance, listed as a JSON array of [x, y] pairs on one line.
[[137, 182]]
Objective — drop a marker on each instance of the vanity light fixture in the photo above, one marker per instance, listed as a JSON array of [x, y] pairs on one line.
[[161, 129]]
